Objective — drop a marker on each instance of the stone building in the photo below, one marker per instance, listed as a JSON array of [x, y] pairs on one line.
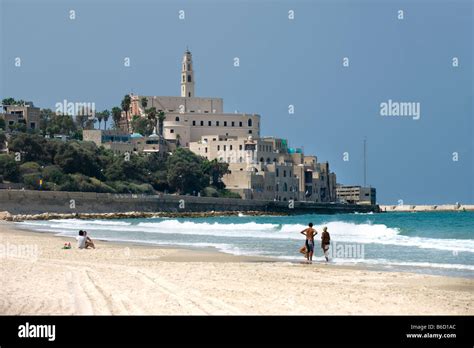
[[260, 167], [356, 194], [27, 114]]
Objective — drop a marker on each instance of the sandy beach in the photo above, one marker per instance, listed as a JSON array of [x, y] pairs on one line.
[[39, 277]]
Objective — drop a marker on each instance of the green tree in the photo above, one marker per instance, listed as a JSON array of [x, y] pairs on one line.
[[30, 168], [30, 146], [106, 115], [161, 120], [141, 125], [53, 174], [126, 101], [152, 114], [3, 124], [8, 101], [216, 170], [185, 174], [9, 168], [3, 139], [116, 116], [99, 117], [79, 157], [144, 103]]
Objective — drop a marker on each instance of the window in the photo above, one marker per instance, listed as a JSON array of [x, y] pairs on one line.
[[189, 66], [189, 78], [218, 147], [189, 94], [171, 130], [230, 147], [177, 119], [184, 79], [194, 123], [284, 173], [285, 187], [205, 149], [277, 173], [209, 123], [261, 159], [233, 124], [241, 160], [250, 131], [224, 147], [240, 147], [217, 123], [202, 123], [249, 122], [225, 123], [240, 124]]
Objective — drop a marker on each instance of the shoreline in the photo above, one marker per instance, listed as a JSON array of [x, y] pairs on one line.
[[124, 278], [7, 216]]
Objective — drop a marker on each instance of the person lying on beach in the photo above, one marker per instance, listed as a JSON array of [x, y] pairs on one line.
[[325, 241], [309, 232], [81, 240], [89, 242]]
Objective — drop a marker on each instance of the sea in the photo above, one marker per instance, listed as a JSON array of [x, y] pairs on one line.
[[439, 243]]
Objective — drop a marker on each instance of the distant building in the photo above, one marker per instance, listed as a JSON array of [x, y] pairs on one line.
[[27, 114], [265, 168], [356, 194]]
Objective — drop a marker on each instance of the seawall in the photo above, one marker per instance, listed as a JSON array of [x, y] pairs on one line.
[[25, 202], [424, 208]]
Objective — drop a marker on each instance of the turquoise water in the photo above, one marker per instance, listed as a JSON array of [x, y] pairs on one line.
[[435, 243]]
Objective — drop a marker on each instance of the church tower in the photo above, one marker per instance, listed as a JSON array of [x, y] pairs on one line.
[[187, 75]]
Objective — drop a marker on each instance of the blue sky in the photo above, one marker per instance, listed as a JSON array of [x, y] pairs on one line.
[[282, 62]]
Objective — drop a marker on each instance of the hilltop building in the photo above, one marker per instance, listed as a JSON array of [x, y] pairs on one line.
[[260, 167], [26, 114]]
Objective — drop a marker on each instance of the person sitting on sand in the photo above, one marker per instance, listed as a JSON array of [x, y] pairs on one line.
[[325, 241], [309, 232], [81, 240], [89, 242]]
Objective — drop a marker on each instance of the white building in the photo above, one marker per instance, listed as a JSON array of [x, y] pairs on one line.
[[188, 117], [260, 168]]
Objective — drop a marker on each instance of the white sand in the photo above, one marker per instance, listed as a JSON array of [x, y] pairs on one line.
[[127, 279]]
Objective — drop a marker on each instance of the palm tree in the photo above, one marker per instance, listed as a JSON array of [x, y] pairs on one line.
[[105, 115], [151, 115], [144, 103], [161, 119], [126, 101], [116, 115], [99, 116]]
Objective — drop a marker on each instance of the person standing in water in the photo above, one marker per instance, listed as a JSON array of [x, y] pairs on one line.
[[309, 233], [325, 241]]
